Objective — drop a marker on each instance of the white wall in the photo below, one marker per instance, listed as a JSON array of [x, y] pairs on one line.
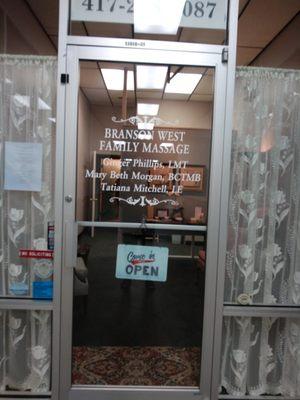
[[192, 114]]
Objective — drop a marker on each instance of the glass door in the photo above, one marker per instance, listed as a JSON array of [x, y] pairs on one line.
[[143, 160]]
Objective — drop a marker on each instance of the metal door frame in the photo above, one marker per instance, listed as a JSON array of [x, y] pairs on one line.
[[73, 48], [144, 56]]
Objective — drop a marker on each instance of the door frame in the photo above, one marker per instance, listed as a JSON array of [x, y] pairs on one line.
[[152, 53]]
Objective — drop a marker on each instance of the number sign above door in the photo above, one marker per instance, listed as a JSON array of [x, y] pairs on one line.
[[196, 14]]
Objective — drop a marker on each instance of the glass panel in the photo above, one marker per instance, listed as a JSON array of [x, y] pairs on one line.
[[25, 351], [260, 357], [138, 311], [27, 153], [144, 152], [181, 21], [263, 251]]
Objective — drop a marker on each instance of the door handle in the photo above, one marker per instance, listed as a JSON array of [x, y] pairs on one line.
[[70, 244]]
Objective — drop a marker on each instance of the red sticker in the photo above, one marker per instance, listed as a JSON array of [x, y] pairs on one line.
[[24, 253]]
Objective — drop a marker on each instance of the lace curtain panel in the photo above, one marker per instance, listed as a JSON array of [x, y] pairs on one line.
[[262, 355], [27, 115], [25, 351]]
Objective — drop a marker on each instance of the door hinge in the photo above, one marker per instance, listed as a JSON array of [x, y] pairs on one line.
[[64, 78], [225, 55]]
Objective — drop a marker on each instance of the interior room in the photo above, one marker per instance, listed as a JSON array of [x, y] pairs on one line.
[[106, 114], [137, 136]]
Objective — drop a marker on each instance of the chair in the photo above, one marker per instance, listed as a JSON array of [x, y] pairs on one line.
[[81, 283]]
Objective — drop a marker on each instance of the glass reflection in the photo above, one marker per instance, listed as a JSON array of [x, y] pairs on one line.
[[144, 154], [138, 332]]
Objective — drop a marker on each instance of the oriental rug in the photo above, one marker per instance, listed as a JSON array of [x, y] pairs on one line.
[[146, 366]]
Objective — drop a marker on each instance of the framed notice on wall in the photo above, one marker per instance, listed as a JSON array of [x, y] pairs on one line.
[[192, 178], [160, 177]]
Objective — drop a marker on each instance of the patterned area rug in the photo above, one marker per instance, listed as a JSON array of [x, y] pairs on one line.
[[155, 366]]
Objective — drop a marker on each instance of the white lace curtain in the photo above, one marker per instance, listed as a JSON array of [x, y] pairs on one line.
[[263, 255], [27, 115], [262, 355], [25, 351]]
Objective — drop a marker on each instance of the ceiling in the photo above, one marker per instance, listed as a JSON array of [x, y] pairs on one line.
[[94, 87], [268, 35]]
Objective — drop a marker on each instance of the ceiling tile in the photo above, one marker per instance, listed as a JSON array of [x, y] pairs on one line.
[[205, 86], [77, 29], [108, 30], [88, 65], [262, 20], [118, 94], [246, 54], [176, 96], [47, 14], [193, 70], [118, 102], [91, 78], [293, 61], [148, 94], [284, 46], [242, 4], [202, 97], [54, 40], [210, 71], [97, 96], [116, 97], [206, 36]]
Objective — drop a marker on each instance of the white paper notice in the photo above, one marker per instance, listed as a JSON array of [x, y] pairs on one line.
[[23, 166]]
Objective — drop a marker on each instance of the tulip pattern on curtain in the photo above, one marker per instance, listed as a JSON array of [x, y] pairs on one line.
[[262, 355], [27, 115], [25, 351], [263, 255]]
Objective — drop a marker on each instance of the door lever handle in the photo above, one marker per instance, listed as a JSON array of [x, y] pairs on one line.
[[70, 244]]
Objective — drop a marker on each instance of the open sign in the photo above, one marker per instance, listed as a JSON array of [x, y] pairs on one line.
[[146, 263]]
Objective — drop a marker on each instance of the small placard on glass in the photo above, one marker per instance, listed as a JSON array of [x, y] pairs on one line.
[[23, 166]]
